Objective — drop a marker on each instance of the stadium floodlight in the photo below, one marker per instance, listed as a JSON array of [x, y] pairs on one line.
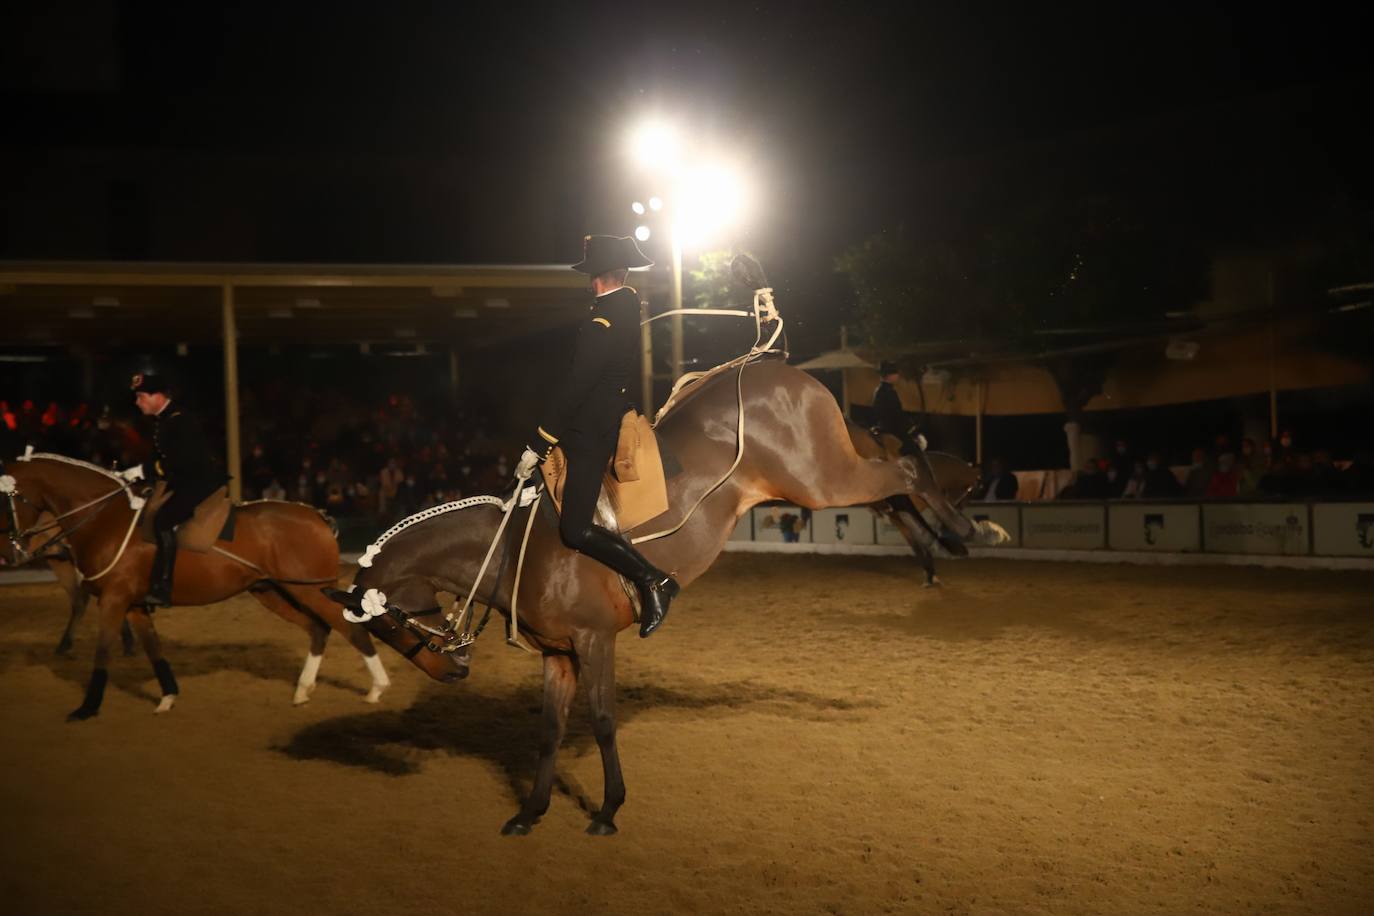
[[642, 233], [655, 145]]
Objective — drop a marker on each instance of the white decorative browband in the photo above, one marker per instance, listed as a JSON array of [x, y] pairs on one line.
[[376, 546], [7, 484]]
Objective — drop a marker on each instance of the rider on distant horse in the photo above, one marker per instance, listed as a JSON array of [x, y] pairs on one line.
[[182, 457], [584, 420], [888, 416]]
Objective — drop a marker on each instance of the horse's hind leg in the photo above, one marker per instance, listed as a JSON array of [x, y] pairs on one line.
[[597, 653], [560, 683], [332, 616], [319, 635], [152, 647]]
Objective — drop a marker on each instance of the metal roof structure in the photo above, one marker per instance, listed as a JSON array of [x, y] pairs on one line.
[[113, 304]]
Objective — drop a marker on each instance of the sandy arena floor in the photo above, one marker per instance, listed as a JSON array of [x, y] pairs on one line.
[[806, 735]]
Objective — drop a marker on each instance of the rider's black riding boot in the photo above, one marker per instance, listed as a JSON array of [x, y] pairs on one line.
[[160, 586], [656, 588]]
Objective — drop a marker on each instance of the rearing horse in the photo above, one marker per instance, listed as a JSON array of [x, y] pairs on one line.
[[796, 448], [281, 552]]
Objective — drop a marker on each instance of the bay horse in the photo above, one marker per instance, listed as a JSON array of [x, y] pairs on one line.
[[956, 479], [281, 553], [570, 607]]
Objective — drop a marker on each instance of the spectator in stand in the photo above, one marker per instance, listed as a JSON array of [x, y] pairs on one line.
[[274, 490], [388, 483], [1326, 479], [1225, 480], [1160, 482], [1135, 484], [1088, 483], [1199, 476], [999, 484], [1123, 463], [1252, 467], [258, 474], [1358, 479], [408, 497]]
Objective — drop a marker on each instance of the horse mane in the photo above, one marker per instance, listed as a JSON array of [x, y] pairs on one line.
[[425, 515], [75, 462]]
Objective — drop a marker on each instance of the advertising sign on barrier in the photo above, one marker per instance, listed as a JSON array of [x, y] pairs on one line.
[[784, 524], [853, 525], [1009, 517], [1262, 528], [1064, 527], [1146, 526], [1343, 529]]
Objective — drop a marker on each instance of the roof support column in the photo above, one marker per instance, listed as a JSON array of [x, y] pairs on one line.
[[231, 393], [646, 363]]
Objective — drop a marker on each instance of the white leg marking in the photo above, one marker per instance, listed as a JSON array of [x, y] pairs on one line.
[[305, 684], [166, 704], [380, 682]]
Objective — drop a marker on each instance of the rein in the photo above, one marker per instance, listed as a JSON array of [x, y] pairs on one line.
[[764, 310], [10, 489]]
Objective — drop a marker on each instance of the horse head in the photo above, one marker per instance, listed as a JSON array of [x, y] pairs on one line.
[[20, 507]]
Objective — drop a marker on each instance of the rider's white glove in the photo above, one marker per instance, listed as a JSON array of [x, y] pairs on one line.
[[921, 441], [528, 461], [133, 473]]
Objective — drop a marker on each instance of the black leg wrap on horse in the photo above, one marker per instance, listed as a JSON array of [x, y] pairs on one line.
[[95, 694], [165, 678]]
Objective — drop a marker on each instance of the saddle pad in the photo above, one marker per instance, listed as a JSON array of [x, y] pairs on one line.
[[212, 521], [633, 501]]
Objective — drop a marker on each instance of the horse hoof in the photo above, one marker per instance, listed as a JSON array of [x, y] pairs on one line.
[[514, 827], [303, 693], [602, 828], [81, 713], [374, 695], [166, 704]]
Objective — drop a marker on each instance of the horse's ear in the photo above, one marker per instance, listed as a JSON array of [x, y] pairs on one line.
[[748, 272]]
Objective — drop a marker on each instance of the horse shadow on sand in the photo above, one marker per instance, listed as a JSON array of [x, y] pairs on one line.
[[503, 729], [133, 675]]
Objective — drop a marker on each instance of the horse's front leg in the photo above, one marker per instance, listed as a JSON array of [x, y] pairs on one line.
[[152, 647], [560, 684], [597, 654], [113, 606]]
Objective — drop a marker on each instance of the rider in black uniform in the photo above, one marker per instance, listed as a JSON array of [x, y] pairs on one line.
[[888, 416], [183, 458], [584, 419]]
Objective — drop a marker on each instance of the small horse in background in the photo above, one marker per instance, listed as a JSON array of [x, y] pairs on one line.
[[281, 553], [795, 448], [956, 479]]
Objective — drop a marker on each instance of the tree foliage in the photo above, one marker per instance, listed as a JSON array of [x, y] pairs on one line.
[[1094, 267]]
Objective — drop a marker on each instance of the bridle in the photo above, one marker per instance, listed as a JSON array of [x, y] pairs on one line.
[[19, 536]]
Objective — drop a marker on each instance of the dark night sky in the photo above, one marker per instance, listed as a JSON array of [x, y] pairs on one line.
[[441, 132]]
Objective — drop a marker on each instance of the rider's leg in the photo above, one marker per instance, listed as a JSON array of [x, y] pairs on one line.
[[172, 513], [580, 492]]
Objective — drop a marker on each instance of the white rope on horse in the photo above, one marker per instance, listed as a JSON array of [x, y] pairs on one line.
[[423, 516], [133, 524], [764, 309]]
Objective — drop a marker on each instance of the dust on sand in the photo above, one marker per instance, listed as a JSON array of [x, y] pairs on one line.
[[805, 735]]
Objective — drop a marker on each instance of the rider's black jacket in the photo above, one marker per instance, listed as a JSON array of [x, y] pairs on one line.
[[593, 394], [182, 456]]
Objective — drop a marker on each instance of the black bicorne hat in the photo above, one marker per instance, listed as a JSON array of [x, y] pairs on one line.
[[887, 367], [602, 253], [148, 383]]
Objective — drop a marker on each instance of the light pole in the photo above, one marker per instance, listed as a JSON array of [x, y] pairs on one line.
[[702, 198]]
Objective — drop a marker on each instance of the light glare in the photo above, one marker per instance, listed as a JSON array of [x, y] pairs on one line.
[[655, 204], [638, 208], [655, 145], [642, 233]]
